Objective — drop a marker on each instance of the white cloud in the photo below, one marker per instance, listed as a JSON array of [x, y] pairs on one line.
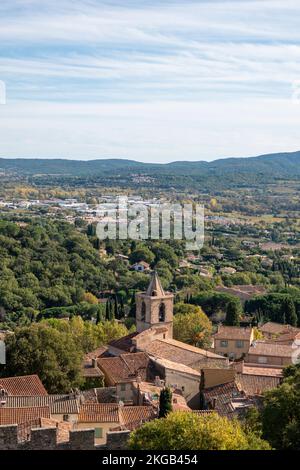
[[149, 80], [161, 131]]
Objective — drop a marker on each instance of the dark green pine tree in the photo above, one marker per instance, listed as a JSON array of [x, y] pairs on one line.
[[132, 310], [108, 310], [232, 314], [122, 308], [289, 312], [116, 308], [98, 317], [111, 311], [165, 402]]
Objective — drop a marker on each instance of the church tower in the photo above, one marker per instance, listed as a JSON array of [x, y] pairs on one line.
[[154, 308]]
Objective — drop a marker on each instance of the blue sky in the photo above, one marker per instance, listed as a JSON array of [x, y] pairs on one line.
[[149, 80]]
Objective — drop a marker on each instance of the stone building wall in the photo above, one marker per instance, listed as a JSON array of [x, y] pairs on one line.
[[46, 439]]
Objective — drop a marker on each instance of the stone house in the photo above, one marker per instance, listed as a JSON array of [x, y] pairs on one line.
[[233, 341], [270, 353], [122, 370], [107, 417]]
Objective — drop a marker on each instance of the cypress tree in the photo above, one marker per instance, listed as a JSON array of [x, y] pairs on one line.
[[165, 402], [111, 311], [289, 312], [109, 314], [132, 310], [99, 316], [116, 307], [122, 308], [232, 314]]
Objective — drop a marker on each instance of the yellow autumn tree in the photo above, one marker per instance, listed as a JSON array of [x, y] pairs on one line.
[[191, 325], [90, 298], [189, 431]]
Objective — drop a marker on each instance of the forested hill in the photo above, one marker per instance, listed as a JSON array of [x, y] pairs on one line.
[[271, 166]]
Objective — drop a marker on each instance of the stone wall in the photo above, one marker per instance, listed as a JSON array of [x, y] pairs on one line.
[[47, 439], [117, 440]]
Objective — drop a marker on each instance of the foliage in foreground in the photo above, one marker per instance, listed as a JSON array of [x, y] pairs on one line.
[[54, 350], [189, 431], [281, 412]]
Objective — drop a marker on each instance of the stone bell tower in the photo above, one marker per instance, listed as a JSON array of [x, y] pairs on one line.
[[154, 308]]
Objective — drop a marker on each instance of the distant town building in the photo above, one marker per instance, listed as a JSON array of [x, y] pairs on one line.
[[141, 266]]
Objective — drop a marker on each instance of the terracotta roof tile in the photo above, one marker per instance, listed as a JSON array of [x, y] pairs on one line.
[[272, 328], [89, 370], [126, 367], [95, 354], [177, 366], [233, 332], [288, 337], [264, 348], [256, 384], [134, 416], [20, 415], [23, 385], [125, 343], [221, 397], [99, 413], [265, 371], [89, 365], [59, 404], [99, 395], [181, 352]]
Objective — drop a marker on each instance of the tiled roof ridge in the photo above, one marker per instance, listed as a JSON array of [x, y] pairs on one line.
[[130, 368], [180, 344]]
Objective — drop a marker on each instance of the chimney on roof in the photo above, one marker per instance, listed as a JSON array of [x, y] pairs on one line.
[[94, 363]]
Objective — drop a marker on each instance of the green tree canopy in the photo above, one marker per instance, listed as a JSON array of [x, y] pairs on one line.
[[191, 325], [52, 354], [214, 302], [142, 253], [54, 350], [189, 431], [281, 412], [276, 307]]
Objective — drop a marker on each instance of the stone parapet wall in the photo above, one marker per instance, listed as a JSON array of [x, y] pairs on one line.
[[47, 439]]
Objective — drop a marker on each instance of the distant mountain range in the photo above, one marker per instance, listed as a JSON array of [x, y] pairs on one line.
[[264, 167]]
